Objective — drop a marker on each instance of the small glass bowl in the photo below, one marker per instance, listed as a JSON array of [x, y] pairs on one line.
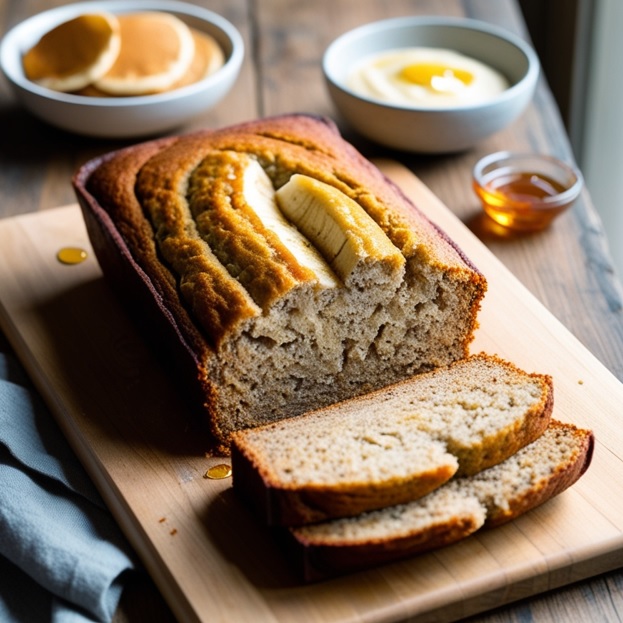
[[525, 192]]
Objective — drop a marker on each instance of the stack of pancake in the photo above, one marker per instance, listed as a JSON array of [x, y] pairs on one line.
[[131, 54]]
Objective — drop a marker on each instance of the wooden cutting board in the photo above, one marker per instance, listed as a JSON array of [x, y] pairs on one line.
[[212, 562]]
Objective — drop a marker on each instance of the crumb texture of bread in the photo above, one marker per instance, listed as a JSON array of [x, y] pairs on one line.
[[291, 271], [535, 474], [392, 445]]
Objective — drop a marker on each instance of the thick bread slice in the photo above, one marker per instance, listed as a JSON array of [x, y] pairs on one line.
[[538, 472], [183, 230], [393, 445]]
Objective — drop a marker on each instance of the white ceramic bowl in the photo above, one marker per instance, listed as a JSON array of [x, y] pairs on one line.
[[436, 130], [121, 117]]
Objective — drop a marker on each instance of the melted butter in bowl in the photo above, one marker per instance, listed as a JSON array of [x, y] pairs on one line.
[[430, 84], [432, 77]]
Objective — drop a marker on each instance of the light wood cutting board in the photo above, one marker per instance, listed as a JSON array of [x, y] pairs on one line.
[[212, 562]]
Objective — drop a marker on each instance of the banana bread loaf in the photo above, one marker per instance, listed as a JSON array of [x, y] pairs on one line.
[[280, 269]]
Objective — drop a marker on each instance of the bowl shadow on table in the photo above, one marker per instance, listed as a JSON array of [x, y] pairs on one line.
[[29, 144], [26, 138], [487, 230]]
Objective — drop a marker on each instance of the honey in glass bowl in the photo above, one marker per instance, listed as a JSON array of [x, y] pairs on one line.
[[525, 192]]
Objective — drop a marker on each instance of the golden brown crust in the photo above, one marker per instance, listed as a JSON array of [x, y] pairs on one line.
[[318, 562], [205, 186], [300, 144]]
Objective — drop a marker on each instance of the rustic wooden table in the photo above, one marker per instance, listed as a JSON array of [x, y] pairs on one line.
[[568, 267]]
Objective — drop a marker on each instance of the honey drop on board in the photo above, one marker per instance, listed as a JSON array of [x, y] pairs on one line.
[[217, 472], [71, 255]]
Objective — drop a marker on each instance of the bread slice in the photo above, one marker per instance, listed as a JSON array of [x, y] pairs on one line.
[[258, 316], [538, 472], [393, 445]]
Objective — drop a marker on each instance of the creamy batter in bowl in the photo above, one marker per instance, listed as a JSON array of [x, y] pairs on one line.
[[387, 115], [426, 77]]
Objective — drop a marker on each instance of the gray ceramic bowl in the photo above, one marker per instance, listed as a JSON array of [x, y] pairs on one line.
[[432, 130], [121, 117]]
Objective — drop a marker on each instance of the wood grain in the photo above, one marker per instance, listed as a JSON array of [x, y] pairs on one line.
[[209, 558]]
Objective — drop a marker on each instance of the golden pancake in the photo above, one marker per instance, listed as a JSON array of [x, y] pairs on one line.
[[75, 53], [208, 58], [156, 51]]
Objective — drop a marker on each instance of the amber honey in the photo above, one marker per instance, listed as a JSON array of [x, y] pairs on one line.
[[218, 472], [71, 255], [525, 199]]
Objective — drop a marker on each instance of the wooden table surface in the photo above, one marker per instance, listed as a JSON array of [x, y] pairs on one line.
[[568, 267]]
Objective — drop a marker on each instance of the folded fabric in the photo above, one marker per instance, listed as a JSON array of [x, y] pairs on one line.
[[63, 555]]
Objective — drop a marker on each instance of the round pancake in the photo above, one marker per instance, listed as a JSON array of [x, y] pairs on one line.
[[74, 53], [156, 51], [207, 59]]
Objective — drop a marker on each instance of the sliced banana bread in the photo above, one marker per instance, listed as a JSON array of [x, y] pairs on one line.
[[535, 474], [392, 445]]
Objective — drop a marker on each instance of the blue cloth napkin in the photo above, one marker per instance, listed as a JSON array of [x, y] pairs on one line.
[[62, 557]]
